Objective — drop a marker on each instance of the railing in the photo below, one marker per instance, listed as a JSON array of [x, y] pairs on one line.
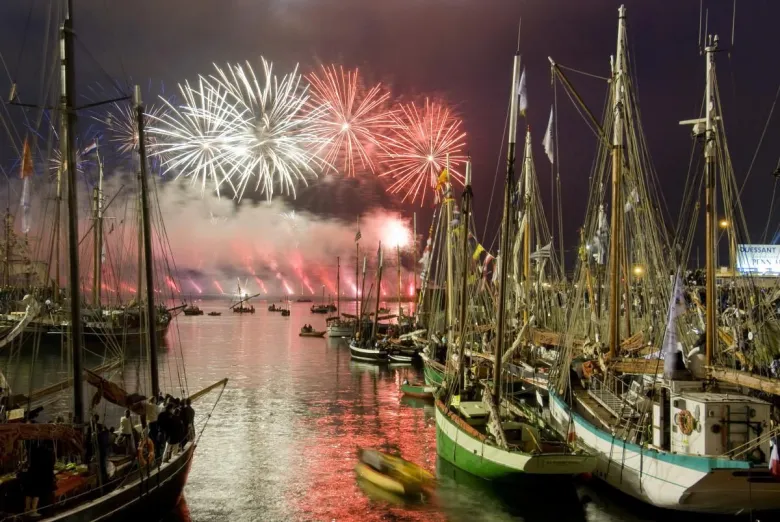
[[612, 393]]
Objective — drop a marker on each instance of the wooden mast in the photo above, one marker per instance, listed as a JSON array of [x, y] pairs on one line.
[[505, 233], [527, 232], [97, 244], [68, 111], [151, 311], [338, 286], [711, 224], [616, 226], [467, 194]]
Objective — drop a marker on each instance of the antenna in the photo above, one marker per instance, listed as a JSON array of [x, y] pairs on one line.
[[733, 22], [519, 26]]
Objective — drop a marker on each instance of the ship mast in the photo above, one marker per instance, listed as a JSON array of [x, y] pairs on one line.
[[467, 195], [338, 286], [151, 311], [527, 159], [98, 235], [505, 233], [68, 111], [711, 223], [449, 202], [616, 225]]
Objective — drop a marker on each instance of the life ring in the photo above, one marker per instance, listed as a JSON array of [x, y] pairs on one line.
[[146, 452], [685, 422]]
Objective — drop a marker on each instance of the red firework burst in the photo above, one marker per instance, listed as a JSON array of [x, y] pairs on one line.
[[417, 149], [349, 119]]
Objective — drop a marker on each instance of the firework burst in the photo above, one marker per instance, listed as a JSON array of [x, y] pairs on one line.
[[416, 151], [200, 139], [350, 120], [232, 129], [122, 126]]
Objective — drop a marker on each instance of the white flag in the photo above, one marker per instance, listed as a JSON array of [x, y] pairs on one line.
[[523, 93], [548, 139]]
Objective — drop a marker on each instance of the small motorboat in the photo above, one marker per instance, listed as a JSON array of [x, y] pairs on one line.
[[215, 314], [303, 300], [244, 309], [400, 357], [274, 308], [393, 474], [418, 390], [310, 332], [285, 312]]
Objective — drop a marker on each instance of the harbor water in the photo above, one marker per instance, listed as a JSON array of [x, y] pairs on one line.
[[282, 442]]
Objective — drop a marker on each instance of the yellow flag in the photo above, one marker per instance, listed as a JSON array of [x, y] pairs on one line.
[[444, 177], [477, 252]]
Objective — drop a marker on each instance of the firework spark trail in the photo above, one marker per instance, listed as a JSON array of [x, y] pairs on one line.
[[200, 138], [350, 119], [194, 285], [122, 125], [416, 152], [262, 285], [219, 287], [273, 134]]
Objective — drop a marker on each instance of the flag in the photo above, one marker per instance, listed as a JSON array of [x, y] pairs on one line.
[[444, 177], [92, 147], [548, 139], [477, 252], [523, 93], [26, 173], [774, 459]]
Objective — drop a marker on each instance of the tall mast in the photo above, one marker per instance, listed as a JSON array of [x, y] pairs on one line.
[[414, 255], [711, 337], [505, 233], [378, 292], [7, 227], [527, 231], [98, 236], [465, 279], [151, 310], [67, 82], [362, 296], [616, 226], [449, 202], [338, 286], [398, 255]]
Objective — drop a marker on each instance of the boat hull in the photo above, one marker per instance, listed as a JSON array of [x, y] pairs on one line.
[[151, 498], [419, 391], [367, 354], [669, 480], [475, 456], [311, 334], [340, 330], [433, 375]]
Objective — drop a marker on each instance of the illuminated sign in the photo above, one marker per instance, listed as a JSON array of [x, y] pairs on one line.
[[758, 259]]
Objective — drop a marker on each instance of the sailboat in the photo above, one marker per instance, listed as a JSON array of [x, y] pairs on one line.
[[336, 326], [671, 424], [365, 346], [478, 428], [240, 306], [133, 492]]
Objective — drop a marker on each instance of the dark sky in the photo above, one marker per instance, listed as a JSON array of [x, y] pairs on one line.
[[461, 50]]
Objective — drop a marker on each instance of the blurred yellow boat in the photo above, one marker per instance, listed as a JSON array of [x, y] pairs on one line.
[[392, 473]]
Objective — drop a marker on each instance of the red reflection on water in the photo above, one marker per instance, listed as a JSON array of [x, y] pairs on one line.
[[373, 418]]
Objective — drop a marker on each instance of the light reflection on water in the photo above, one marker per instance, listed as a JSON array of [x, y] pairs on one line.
[[282, 442]]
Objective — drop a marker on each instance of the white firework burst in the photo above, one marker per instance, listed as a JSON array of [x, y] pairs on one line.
[[198, 139], [234, 129], [122, 125]]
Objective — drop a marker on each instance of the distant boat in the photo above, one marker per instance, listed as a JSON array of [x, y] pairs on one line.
[[274, 308], [303, 300], [417, 390], [215, 314], [319, 309], [239, 307], [310, 332], [192, 310]]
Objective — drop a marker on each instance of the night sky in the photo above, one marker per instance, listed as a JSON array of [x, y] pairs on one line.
[[460, 50]]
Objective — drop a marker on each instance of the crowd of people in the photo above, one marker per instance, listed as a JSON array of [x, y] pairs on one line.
[[165, 425]]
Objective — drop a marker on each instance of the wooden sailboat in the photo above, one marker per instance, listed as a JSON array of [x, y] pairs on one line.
[[337, 326], [477, 429], [667, 431], [367, 347], [133, 493], [240, 306]]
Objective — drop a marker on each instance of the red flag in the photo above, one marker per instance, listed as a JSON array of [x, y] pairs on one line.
[[27, 164]]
